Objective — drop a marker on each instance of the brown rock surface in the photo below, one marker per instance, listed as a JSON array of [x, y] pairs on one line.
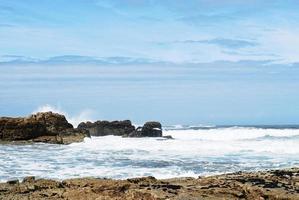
[[277, 184], [41, 127]]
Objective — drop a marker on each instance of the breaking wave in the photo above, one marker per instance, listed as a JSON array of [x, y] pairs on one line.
[[83, 116], [191, 153]]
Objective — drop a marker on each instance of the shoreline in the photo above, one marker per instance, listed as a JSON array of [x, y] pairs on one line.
[[270, 184]]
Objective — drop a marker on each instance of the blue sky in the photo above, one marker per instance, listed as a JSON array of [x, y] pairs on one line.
[[191, 62]]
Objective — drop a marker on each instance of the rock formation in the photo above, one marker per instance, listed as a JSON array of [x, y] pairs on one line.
[[41, 127], [102, 128], [122, 128], [149, 129], [51, 127], [276, 184]]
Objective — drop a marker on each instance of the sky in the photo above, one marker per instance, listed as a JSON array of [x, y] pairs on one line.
[[180, 62]]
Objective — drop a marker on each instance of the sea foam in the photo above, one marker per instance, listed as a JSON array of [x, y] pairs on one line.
[[191, 153], [83, 116]]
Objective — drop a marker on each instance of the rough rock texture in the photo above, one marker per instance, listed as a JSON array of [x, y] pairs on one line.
[[149, 129], [102, 128], [41, 127], [280, 184]]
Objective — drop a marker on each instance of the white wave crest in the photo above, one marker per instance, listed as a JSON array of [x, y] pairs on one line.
[[83, 116], [192, 153]]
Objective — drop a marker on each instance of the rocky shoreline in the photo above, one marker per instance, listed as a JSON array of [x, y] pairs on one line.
[[44, 127], [48, 127], [274, 184]]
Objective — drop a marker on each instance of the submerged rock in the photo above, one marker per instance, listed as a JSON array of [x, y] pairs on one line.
[[168, 137], [149, 129], [41, 127], [103, 128]]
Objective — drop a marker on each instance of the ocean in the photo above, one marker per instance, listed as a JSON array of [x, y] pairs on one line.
[[194, 151]]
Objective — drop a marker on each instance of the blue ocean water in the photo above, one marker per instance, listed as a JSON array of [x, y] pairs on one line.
[[194, 151]]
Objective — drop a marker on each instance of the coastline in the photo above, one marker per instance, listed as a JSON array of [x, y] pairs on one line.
[[53, 128], [271, 184]]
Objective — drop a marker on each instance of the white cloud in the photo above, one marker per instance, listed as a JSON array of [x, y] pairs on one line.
[[284, 43]]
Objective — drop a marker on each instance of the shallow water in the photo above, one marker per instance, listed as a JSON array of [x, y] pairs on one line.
[[191, 153]]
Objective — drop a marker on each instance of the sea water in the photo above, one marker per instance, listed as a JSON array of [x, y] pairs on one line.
[[194, 151]]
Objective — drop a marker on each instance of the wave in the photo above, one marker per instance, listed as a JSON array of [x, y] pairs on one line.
[[204, 127], [83, 116], [231, 133], [269, 137], [191, 153], [186, 127]]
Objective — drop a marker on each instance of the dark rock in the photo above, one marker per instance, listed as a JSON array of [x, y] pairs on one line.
[[149, 129], [102, 128], [152, 129], [29, 179], [282, 173], [41, 127], [13, 182], [135, 133], [168, 137], [170, 186], [142, 180]]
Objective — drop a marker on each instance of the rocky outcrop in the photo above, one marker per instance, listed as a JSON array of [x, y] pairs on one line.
[[41, 127], [51, 127], [149, 129], [103, 128], [122, 128], [276, 184]]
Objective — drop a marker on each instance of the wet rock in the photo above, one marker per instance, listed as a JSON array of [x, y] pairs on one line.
[[152, 129], [103, 128], [168, 137], [149, 129], [20, 129], [41, 127], [13, 182]]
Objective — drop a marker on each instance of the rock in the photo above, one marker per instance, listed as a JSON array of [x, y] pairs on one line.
[[152, 129], [148, 179], [168, 137], [13, 182], [149, 129], [20, 129], [29, 179], [41, 127], [102, 128], [240, 185]]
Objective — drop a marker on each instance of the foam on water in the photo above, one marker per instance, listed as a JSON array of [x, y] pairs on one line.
[[191, 153]]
